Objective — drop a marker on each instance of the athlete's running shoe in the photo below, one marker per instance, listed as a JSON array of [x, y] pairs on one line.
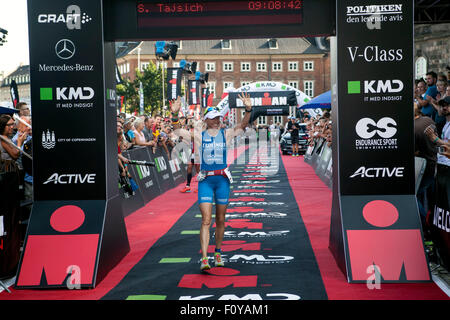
[[185, 189], [218, 260], [204, 265]]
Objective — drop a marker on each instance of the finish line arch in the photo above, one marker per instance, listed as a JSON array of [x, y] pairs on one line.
[[269, 86], [76, 180]]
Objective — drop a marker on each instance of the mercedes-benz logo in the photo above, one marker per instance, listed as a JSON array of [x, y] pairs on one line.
[[65, 49]]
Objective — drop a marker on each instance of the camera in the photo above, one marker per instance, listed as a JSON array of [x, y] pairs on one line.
[[441, 150]]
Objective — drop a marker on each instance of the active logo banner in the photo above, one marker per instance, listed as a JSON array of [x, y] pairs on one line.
[[375, 226]]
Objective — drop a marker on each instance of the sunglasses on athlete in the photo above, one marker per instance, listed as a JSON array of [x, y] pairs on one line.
[[209, 109]]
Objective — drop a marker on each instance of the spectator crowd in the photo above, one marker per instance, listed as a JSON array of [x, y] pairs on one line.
[[432, 143], [432, 136]]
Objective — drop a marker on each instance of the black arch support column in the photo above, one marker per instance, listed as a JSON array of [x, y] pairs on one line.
[[376, 233], [76, 232]]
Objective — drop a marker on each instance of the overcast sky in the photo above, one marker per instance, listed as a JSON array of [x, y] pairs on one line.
[[13, 18]]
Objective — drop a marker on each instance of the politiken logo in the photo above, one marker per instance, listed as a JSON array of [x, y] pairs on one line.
[[375, 54], [374, 15], [381, 172], [73, 18], [376, 135], [56, 178], [65, 49]]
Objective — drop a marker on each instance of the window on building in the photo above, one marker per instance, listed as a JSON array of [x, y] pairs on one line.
[[245, 67], [158, 65], [308, 88], [273, 43], [262, 120], [308, 66], [228, 66], [292, 111], [210, 66], [179, 44], [244, 83], [293, 66], [226, 44], [227, 84], [421, 67], [144, 65], [278, 119], [277, 66], [293, 84], [261, 66], [124, 68], [211, 85]]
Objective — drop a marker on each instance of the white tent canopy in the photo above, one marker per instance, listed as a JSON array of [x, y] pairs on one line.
[[302, 98]]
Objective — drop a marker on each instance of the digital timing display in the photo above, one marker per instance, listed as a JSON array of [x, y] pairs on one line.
[[220, 13]]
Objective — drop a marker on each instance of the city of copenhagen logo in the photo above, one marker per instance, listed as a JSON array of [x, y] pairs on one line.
[[48, 139], [73, 18], [376, 135]]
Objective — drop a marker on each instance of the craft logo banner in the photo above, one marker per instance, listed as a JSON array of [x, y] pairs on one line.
[[173, 83], [194, 92], [76, 224], [67, 85]]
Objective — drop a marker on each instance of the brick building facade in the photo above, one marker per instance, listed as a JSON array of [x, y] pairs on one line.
[[234, 63]]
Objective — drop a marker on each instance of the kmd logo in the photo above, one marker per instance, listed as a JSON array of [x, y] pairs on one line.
[[48, 139], [72, 18], [376, 90], [143, 172], [67, 93], [161, 164], [375, 86], [367, 128]]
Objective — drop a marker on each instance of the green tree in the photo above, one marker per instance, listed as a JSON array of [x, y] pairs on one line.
[[128, 90], [152, 85], [151, 78]]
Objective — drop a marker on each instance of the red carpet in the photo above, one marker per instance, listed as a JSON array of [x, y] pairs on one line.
[[314, 200], [313, 197], [144, 227]]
